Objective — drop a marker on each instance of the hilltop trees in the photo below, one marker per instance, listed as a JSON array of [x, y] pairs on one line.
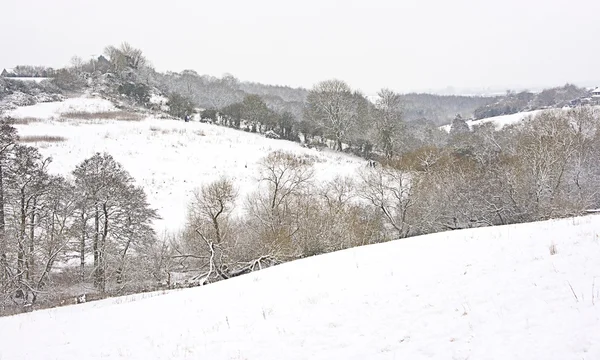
[[125, 56]]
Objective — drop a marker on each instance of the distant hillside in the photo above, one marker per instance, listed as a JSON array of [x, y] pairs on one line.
[[514, 103], [441, 109]]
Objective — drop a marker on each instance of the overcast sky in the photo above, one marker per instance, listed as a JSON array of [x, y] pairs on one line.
[[406, 45]]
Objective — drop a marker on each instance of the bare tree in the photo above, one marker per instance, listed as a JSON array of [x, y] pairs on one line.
[[28, 180], [331, 105], [56, 224], [388, 119], [77, 64], [389, 191], [284, 179]]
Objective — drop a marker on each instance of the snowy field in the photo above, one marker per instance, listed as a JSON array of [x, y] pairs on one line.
[[487, 293], [168, 158]]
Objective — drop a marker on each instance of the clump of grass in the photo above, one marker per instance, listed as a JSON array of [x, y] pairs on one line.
[[41, 138], [553, 249], [103, 115]]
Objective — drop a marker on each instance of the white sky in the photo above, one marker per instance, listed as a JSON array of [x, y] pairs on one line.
[[405, 45]]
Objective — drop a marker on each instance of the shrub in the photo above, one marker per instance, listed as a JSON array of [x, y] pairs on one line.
[[180, 106], [139, 93]]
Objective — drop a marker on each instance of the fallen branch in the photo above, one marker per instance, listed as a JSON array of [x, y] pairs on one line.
[[575, 295]]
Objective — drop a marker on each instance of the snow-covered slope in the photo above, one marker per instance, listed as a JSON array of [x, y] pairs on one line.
[[169, 158], [499, 121], [487, 293], [53, 110]]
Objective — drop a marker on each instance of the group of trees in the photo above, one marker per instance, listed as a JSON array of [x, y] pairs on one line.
[[540, 169], [335, 115], [99, 219], [30, 71], [257, 117], [335, 112], [290, 216]]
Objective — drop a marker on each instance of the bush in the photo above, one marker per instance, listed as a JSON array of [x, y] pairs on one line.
[[209, 114], [67, 80], [180, 106], [19, 99], [139, 93]]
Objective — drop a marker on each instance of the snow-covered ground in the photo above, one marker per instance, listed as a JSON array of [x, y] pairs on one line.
[[498, 121], [168, 158], [487, 293], [33, 79], [53, 110]]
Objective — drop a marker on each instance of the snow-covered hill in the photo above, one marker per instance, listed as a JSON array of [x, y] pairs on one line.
[[169, 158], [487, 293]]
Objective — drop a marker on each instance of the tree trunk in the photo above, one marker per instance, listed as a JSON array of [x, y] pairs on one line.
[[3, 259], [31, 260], [121, 268], [96, 249], [21, 240], [82, 245], [102, 262]]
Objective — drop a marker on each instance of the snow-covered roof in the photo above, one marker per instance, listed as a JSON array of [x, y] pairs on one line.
[[9, 71], [596, 90]]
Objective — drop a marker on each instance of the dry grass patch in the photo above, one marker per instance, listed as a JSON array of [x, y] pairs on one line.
[[103, 115], [553, 249], [22, 121], [160, 130], [41, 138]]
